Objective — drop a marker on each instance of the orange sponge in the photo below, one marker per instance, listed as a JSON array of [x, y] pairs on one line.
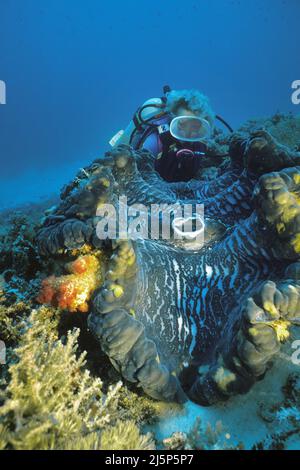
[[73, 291]]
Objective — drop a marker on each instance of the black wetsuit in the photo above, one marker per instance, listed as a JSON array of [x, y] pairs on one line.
[[171, 166]]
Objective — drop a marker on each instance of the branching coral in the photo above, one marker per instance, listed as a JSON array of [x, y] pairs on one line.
[[125, 436], [12, 325], [72, 291], [143, 409], [52, 401], [12, 321]]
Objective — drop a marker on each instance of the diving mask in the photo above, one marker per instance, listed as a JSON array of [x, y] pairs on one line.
[[190, 128]]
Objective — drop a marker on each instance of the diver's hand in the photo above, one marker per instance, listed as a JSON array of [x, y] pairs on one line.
[[67, 235]]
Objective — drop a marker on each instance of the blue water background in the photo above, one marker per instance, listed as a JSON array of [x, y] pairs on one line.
[[76, 70]]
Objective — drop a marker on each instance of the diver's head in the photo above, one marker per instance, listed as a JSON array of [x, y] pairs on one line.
[[189, 103], [193, 118]]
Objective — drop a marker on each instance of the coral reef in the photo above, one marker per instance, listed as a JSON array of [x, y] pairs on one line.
[[18, 252], [285, 128], [201, 437], [125, 436], [49, 399], [41, 407], [284, 417], [20, 262], [53, 402], [13, 321], [202, 324]]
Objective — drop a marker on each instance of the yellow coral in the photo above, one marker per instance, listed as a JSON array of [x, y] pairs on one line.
[[125, 436], [12, 321], [51, 400]]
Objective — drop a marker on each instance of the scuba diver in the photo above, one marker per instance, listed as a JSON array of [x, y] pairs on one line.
[[175, 129]]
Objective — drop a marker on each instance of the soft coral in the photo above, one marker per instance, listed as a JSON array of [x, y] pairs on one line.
[[72, 291]]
